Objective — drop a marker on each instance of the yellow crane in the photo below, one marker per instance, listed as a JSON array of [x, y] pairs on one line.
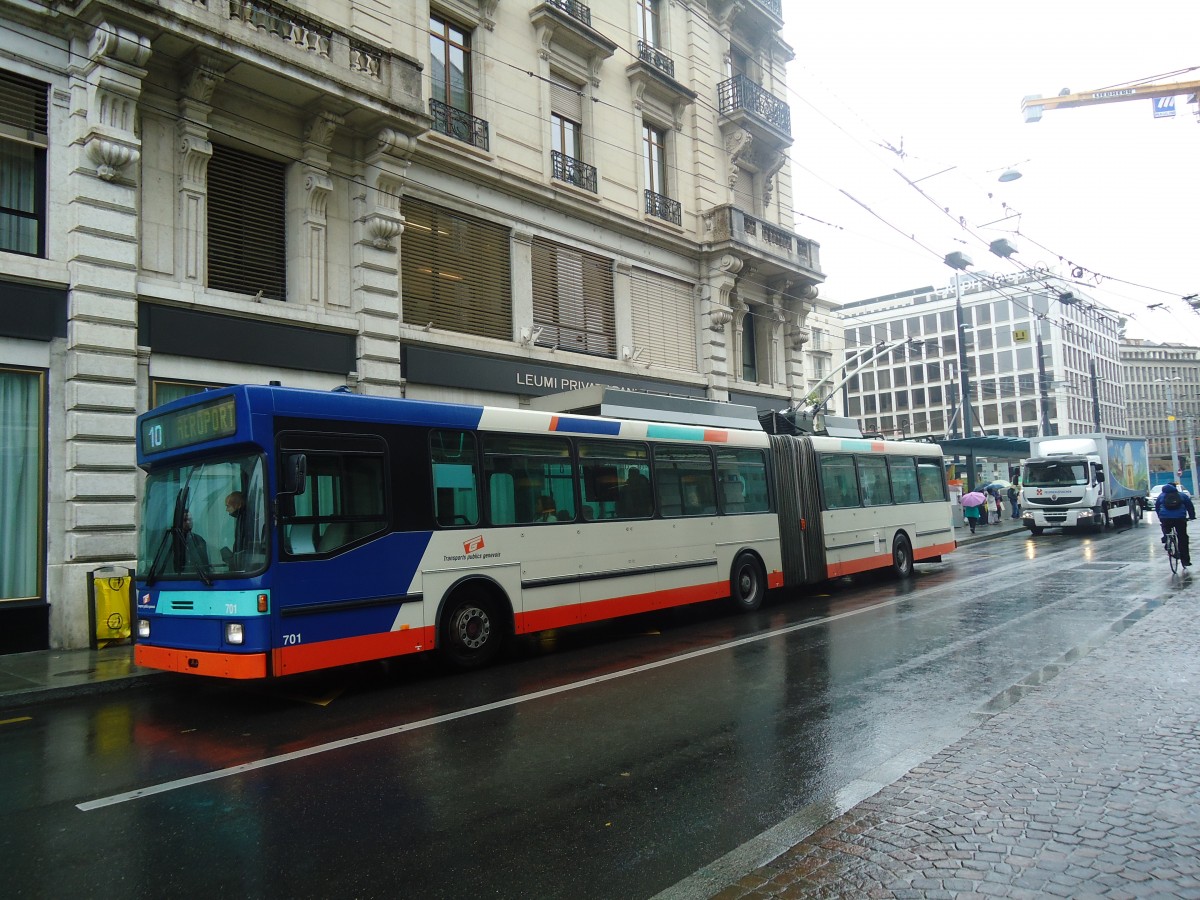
[[1033, 106]]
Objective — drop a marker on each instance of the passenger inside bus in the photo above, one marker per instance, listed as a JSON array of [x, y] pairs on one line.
[[635, 499]]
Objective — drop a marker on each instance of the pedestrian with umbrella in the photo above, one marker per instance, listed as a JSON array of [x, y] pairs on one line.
[[971, 503]]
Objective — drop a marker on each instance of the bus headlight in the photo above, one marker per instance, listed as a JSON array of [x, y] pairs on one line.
[[234, 634], [143, 628]]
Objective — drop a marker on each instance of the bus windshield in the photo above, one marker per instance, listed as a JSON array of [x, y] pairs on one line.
[[1055, 474], [204, 520]]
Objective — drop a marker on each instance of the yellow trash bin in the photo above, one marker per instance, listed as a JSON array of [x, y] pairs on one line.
[[111, 592]]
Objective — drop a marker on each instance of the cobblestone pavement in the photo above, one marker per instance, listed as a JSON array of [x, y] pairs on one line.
[[1087, 786]]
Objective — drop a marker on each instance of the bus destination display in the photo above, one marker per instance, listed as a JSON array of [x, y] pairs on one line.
[[171, 431]]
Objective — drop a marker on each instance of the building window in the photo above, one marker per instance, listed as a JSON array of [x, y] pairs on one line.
[[456, 272], [247, 251], [646, 12], [564, 136], [22, 478], [573, 301], [449, 64], [24, 126], [654, 158], [164, 391], [450, 100]]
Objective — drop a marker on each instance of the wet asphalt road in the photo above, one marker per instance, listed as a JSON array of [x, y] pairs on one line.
[[611, 761]]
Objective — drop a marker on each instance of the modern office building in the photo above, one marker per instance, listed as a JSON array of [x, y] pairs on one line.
[[1162, 395], [1040, 358], [462, 200]]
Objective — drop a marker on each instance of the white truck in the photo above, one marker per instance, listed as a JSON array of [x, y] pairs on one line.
[[1083, 481]]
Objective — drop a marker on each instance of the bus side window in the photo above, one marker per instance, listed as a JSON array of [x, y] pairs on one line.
[[455, 464], [838, 481], [503, 494]]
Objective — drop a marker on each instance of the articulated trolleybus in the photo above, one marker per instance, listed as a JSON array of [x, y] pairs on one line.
[[287, 530]]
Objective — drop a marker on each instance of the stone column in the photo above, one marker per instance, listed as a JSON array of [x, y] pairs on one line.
[[309, 187], [99, 463], [377, 300], [195, 151], [716, 317]]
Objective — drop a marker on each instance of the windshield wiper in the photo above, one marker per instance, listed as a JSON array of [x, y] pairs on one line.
[[202, 567], [160, 557]]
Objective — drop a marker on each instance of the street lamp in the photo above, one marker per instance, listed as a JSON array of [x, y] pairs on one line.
[[1171, 426]]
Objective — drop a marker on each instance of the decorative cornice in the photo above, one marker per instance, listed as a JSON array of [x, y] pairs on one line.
[[382, 228]]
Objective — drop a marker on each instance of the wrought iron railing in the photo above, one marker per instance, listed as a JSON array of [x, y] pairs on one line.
[[664, 207], [458, 124], [655, 57], [574, 10], [775, 7], [740, 93], [566, 168]]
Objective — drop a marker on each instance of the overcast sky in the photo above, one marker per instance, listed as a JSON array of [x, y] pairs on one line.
[[1107, 188]]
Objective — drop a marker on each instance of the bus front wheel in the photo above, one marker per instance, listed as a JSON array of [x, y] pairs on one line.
[[902, 556], [747, 583], [472, 631]]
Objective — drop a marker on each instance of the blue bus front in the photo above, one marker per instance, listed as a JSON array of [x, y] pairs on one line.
[[203, 605]]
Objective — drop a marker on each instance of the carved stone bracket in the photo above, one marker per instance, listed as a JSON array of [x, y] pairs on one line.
[[319, 186], [110, 155], [739, 145], [719, 317], [195, 151], [119, 45], [382, 228], [799, 337]]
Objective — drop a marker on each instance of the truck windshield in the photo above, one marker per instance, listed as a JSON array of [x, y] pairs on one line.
[[1055, 474], [204, 520]]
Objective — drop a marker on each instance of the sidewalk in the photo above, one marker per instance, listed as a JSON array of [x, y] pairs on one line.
[[28, 678]]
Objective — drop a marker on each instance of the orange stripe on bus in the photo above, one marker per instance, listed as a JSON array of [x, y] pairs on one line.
[[854, 566], [637, 603], [343, 651], [201, 662], [935, 550], [714, 436]]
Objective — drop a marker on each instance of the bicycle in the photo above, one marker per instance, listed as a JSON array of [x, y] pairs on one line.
[[1171, 544]]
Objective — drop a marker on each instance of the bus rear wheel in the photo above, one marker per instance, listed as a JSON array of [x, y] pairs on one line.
[[472, 631], [902, 556], [747, 583]]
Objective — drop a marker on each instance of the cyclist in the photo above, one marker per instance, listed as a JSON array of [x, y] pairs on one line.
[[1174, 508]]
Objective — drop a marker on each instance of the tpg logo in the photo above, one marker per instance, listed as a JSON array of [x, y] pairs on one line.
[[474, 545]]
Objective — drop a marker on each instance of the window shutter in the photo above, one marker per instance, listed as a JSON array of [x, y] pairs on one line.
[[23, 106], [664, 320], [743, 191], [456, 272], [567, 101], [247, 251], [573, 299]]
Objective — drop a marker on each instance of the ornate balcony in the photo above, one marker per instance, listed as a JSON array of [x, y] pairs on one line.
[[295, 56], [771, 250], [664, 208], [652, 76], [749, 106], [656, 58], [572, 171], [459, 125], [567, 26]]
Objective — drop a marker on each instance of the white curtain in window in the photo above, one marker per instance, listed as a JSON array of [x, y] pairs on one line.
[[21, 452]]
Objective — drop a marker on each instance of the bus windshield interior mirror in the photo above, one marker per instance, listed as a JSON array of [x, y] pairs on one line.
[[295, 474]]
